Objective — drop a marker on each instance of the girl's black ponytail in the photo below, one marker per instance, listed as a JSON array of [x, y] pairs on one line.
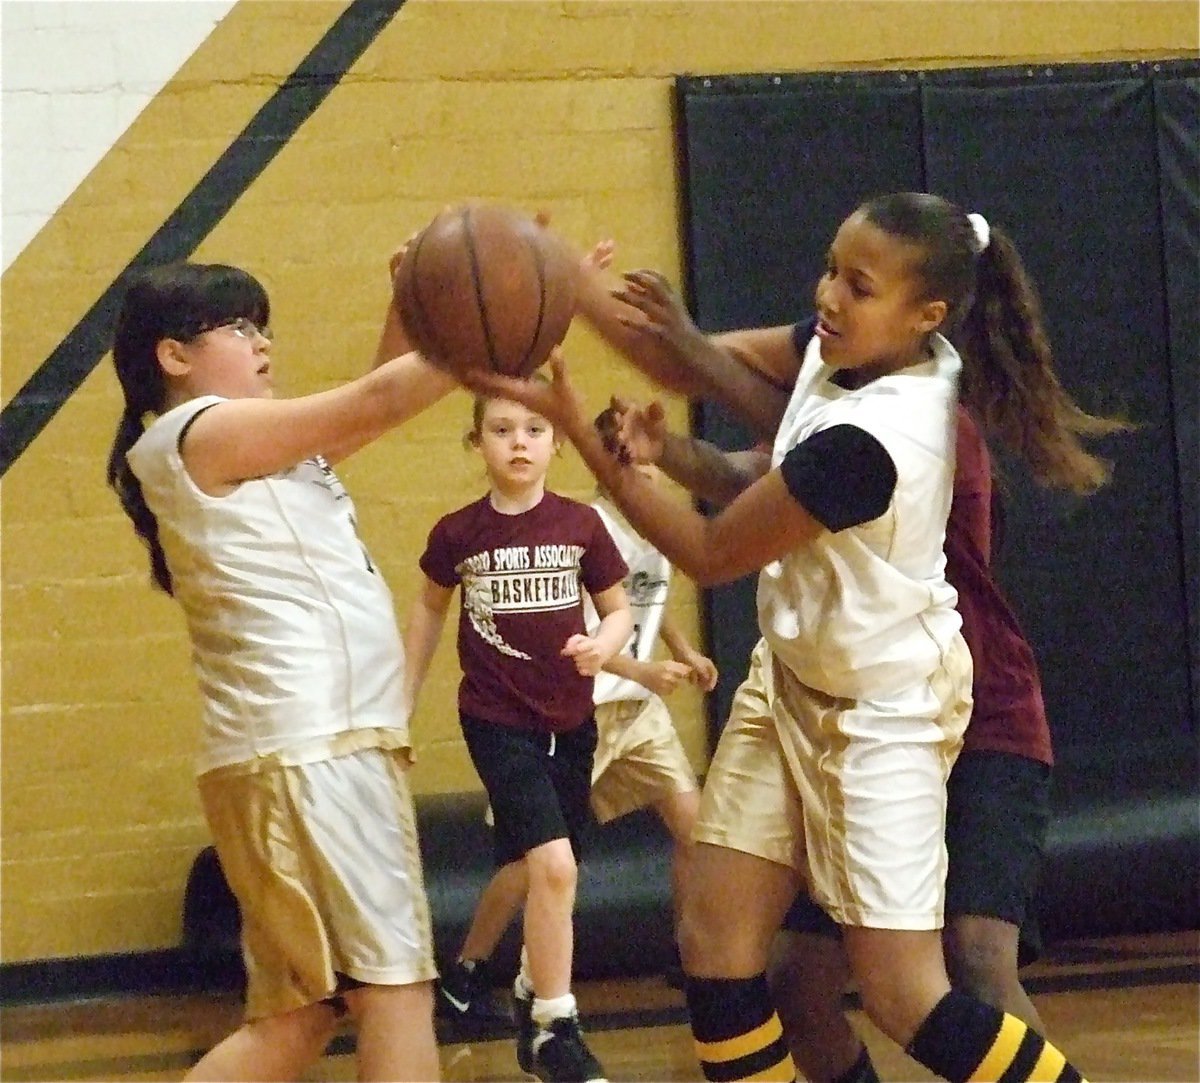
[[129, 491]]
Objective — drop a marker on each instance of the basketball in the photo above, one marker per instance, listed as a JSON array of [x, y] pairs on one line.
[[484, 287]]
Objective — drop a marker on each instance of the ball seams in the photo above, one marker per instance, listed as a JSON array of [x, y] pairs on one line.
[[477, 285], [539, 262]]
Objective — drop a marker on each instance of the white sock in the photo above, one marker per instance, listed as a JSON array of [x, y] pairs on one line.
[[546, 1011]]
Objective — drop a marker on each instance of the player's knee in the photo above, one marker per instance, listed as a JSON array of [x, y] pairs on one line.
[[898, 999], [551, 868], [983, 968], [310, 1028], [389, 1001]]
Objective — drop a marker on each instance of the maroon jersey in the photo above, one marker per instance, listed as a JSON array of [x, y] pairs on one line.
[[1009, 715], [522, 578]]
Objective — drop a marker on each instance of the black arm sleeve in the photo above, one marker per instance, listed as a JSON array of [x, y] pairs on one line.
[[842, 476]]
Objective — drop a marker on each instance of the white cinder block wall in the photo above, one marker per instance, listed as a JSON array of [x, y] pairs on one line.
[[75, 75]]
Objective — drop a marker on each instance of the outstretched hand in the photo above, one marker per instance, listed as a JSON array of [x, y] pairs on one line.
[[632, 433], [642, 430], [600, 257], [661, 314]]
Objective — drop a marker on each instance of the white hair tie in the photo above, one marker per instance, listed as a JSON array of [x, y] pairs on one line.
[[983, 232]]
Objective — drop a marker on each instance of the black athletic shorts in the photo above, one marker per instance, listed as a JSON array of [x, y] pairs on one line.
[[538, 784], [997, 811], [996, 819]]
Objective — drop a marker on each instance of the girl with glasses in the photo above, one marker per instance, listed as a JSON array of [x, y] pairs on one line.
[[294, 640]]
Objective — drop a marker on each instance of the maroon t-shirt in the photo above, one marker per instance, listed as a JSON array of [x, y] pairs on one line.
[[1009, 715], [522, 578]]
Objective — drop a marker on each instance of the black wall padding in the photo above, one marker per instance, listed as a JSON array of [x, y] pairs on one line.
[[623, 922], [1177, 105], [1094, 170], [1123, 847], [1066, 162], [771, 164]]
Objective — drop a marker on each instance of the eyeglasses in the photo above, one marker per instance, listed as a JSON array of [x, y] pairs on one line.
[[242, 326]]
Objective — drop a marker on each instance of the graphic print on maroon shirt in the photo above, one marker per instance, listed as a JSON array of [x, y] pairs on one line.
[[522, 579]]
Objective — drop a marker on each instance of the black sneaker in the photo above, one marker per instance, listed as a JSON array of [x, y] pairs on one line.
[[466, 994], [560, 1055], [526, 1029]]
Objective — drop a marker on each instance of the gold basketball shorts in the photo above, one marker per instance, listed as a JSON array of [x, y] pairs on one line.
[[639, 758], [849, 793], [323, 860]]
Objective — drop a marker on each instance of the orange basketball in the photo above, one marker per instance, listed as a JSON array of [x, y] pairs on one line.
[[486, 287]]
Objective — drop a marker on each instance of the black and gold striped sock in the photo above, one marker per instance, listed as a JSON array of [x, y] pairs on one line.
[[966, 1041], [736, 1030]]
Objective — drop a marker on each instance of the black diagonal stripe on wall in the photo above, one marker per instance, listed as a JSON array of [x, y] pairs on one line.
[[60, 375]]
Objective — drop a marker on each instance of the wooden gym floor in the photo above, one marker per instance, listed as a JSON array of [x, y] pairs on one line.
[[1123, 1009]]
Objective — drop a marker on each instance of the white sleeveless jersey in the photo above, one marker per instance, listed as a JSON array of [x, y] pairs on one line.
[[294, 636], [868, 610], [647, 583]]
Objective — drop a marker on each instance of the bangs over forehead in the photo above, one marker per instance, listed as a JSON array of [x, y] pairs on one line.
[[214, 293], [179, 300], [507, 409]]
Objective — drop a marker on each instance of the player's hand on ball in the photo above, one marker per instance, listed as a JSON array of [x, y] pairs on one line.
[[397, 257], [556, 400], [486, 287]]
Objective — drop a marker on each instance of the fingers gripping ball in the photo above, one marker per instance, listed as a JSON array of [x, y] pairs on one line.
[[486, 288]]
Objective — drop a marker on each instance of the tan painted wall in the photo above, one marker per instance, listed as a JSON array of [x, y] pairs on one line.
[[556, 105]]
